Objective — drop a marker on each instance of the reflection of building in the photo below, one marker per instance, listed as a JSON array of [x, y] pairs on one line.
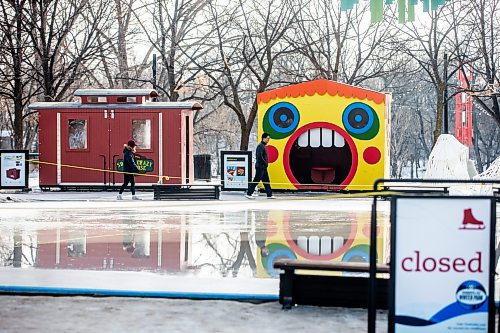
[[325, 135], [131, 249], [339, 236]]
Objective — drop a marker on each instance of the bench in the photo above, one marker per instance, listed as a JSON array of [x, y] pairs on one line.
[[186, 192], [307, 288]]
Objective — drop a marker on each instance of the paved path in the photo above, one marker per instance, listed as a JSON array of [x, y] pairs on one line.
[[86, 314]]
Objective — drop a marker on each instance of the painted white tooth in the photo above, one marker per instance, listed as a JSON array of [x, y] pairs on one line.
[[338, 242], [326, 137], [338, 140], [326, 245], [314, 245], [315, 137], [304, 139], [302, 242]]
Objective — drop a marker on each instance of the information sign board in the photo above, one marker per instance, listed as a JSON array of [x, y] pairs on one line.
[[236, 169], [442, 262], [14, 168]]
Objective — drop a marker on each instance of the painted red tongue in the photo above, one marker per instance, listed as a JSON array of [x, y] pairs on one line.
[[322, 175]]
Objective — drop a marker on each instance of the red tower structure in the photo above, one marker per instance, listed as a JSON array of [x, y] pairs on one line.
[[463, 105]]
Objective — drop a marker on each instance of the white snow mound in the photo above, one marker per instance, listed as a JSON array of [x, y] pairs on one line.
[[493, 173], [448, 159]]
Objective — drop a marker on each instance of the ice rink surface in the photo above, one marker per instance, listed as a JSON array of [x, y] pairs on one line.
[[89, 243]]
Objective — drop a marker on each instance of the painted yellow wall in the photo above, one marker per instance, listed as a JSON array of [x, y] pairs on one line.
[[329, 109]]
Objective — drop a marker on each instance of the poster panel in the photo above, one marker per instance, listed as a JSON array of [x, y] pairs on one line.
[[236, 169], [13, 169], [442, 250]]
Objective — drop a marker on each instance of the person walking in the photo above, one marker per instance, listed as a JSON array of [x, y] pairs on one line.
[[261, 163], [130, 168]]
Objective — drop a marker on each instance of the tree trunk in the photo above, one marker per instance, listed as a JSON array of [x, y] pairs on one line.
[[394, 169], [122, 46], [245, 136], [18, 123], [439, 112], [17, 56], [18, 249], [475, 142]]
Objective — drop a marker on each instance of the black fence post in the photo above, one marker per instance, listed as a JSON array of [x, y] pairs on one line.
[[372, 306]]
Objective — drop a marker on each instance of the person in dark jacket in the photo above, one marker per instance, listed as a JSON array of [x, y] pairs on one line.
[[129, 165], [261, 163]]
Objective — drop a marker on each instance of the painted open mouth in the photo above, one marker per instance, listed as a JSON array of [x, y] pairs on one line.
[[319, 155], [328, 238]]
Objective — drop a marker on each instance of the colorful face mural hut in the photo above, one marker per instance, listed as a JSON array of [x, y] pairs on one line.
[[325, 136], [81, 143]]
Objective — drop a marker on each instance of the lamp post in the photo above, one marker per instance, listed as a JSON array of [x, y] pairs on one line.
[[445, 95]]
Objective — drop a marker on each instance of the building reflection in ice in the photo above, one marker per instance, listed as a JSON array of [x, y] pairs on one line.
[[242, 243]]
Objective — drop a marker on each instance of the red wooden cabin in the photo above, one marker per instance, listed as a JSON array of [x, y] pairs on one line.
[[80, 142]]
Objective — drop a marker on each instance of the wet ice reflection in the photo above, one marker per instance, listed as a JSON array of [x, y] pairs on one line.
[[222, 244]]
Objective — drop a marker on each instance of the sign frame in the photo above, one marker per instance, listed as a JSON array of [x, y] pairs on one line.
[[490, 263], [25, 172], [249, 174]]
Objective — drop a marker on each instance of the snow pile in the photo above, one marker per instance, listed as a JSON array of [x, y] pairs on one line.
[[492, 173], [448, 160]]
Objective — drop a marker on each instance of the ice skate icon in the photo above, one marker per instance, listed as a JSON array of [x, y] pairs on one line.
[[470, 222]]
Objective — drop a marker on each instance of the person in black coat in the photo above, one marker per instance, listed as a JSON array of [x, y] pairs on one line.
[[261, 163], [129, 165]]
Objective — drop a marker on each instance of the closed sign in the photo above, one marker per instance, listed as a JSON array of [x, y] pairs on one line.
[[442, 264]]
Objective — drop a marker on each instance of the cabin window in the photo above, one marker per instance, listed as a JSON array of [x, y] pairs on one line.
[[97, 99], [77, 134], [126, 99], [141, 132]]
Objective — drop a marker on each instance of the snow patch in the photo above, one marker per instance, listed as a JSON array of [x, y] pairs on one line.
[[448, 160]]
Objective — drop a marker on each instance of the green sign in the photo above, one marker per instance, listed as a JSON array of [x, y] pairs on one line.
[[144, 165]]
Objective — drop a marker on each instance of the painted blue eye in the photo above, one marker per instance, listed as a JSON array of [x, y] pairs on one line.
[[281, 120], [361, 121]]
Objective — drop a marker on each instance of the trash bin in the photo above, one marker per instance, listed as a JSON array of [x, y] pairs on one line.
[[202, 167]]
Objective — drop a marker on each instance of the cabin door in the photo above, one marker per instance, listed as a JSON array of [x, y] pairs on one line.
[[83, 150], [143, 129]]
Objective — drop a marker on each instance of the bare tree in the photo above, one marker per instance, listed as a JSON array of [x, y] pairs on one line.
[[171, 26], [482, 52], [16, 84], [477, 48], [426, 42], [244, 45], [116, 54], [410, 127], [340, 45], [64, 39]]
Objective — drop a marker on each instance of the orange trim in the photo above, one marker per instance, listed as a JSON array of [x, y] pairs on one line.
[[320, 87]]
